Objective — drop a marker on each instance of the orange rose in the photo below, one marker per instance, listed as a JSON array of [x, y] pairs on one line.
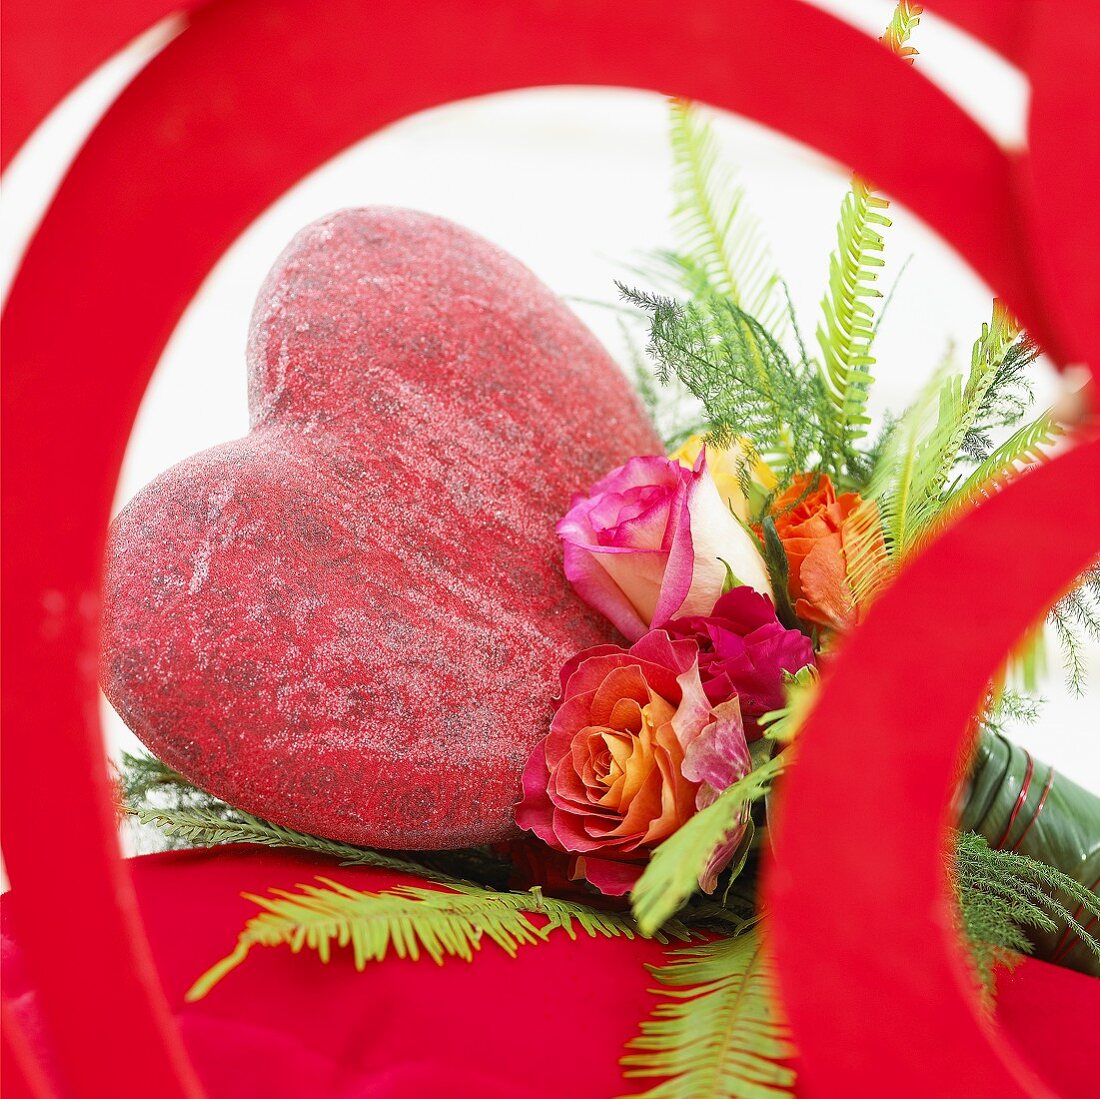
[[818, 529]]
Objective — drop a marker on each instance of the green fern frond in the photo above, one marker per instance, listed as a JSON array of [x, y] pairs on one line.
[[910, 495], [1072, 620], [887, 518], [140, 776], [143, 782], [1027, 446], [408, 921], [675, 413], [718, 237], [1006, 706], [674, 871], [749, 389], [1074, 617], [969, 414], [718, 1032], [904, 22], [846, 332]]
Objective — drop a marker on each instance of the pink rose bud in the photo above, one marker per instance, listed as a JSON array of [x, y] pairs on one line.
[[649, 541]]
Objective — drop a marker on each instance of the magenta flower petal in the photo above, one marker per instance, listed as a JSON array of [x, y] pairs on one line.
[[611, 878], [719, 755], [745, 651]]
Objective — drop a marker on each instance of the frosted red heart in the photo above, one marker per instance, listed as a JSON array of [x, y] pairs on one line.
[[350, 621]]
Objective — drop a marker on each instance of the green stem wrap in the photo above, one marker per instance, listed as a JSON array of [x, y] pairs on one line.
[[1019, 804]]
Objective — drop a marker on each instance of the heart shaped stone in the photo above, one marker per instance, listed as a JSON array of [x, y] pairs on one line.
[[351, 621]]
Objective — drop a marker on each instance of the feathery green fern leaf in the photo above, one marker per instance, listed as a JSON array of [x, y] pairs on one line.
[[1006, 396], [901, 26], [140, 776], [968, 413], [722, 251], [202, 827], [749, 390], [1077, 613], [1008, 706], [674, 871], [718, 1032], [847, 329], [407, 920], [153, 796], [1027, 446], [910, 496], [1002, 894]]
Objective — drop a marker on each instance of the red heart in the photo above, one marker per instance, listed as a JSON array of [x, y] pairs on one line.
[[350, 621]]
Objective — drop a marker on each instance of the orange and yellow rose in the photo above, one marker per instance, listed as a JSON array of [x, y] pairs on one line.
[[634, 751]]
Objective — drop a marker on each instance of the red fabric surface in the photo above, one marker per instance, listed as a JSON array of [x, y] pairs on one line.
[[548, 1024]]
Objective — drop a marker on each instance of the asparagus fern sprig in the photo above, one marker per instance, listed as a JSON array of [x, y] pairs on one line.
[[1003, 894], [749, 389]]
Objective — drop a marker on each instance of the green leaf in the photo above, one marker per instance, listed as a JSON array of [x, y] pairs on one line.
[[775, 557], [718, 1032], [783, 724], [673, 873], [408, 921]]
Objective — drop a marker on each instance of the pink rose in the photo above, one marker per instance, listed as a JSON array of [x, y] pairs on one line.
[[649, 542], [635, 749], [744, 651]]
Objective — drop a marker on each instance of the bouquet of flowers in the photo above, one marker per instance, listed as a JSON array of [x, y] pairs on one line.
[[732, 567]]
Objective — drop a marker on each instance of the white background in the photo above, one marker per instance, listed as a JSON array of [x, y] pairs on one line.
[[576, 183]]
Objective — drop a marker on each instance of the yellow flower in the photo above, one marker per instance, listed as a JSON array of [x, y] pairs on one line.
[[724, 465]]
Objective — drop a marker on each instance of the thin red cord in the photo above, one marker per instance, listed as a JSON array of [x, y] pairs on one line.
[[1019, 802], [1038, 810]]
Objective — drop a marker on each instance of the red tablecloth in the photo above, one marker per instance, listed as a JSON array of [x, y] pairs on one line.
[[550, 1024]]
